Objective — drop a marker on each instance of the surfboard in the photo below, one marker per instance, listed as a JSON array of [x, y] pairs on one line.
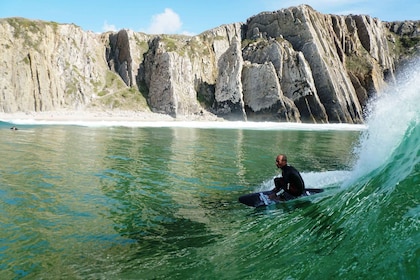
[[259, 199]]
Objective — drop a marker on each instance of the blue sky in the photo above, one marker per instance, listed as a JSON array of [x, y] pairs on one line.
[[188, 16]]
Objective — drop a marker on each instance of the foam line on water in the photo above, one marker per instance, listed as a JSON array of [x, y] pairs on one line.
[[197, 124]]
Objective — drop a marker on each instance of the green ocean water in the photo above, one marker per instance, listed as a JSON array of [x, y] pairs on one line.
[[118, 202], [146, 202]]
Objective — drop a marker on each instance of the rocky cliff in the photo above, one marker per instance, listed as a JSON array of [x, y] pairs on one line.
[[294, 65]]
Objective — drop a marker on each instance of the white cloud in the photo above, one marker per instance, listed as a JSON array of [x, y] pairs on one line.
[[165, 23], [108, 27]]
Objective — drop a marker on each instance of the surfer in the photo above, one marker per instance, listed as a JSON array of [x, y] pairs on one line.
[[291, 181], [14, 128]]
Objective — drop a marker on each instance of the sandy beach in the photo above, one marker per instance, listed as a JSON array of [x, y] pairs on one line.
[[105, 116], [150, 119]]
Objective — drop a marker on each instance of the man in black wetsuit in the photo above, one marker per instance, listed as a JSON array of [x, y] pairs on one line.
[[291, 181]]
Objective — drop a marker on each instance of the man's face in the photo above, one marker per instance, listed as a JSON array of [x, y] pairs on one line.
[[280, 162]]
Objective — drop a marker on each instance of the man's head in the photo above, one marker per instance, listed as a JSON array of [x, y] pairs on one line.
[[281, 161]]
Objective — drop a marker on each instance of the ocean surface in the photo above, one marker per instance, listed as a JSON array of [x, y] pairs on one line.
[[160, 200]]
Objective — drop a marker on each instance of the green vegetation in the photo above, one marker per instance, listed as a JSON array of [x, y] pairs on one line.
[[128, 99], [125, 99], [245, 43], [143, 89], [403, 45], [171, 44], [204, 101], [112, 80], [186, 46], [26, 60], [113, 83], [205, 95], [71, 88], [30, 31], [409, 42], [22, 25], [102, 93], [197, 47], [142, 45], [116, 95], [359, 64], [96, 85]]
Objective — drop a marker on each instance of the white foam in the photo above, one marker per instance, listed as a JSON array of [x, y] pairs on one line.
[[196, 124], [325, 179], [390, 116], [313, 179]]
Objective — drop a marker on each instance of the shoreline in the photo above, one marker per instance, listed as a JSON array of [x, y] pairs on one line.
[[102, 116], [150, 119]]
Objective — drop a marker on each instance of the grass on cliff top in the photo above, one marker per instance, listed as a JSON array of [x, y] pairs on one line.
[[403, 46], [22, 25], [30, 31]]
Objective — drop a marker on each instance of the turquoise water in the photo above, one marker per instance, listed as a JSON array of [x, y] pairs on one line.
[[111, 202]]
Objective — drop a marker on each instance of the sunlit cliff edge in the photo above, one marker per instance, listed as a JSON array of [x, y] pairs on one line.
[[293, 65]]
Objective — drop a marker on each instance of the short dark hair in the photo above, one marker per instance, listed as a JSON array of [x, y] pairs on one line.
[[284, 157]]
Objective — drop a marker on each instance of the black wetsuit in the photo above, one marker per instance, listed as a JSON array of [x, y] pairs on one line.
[[291, 181]]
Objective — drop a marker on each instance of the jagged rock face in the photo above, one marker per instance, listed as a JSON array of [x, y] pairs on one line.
[[125, 53], [261, 86], [43, 67], [119, 58], [407, 41], [263, 97], [311, 33], [289, 65], [169, 77], [175, 70], [296, 84], [171, 88], [229, 95], [405, 28]]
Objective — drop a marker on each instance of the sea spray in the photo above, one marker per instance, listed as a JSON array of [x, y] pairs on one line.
[[377, 210], [389, 117]]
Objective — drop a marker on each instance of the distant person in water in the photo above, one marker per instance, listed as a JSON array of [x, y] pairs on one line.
[[291, 181], [14, 128]]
